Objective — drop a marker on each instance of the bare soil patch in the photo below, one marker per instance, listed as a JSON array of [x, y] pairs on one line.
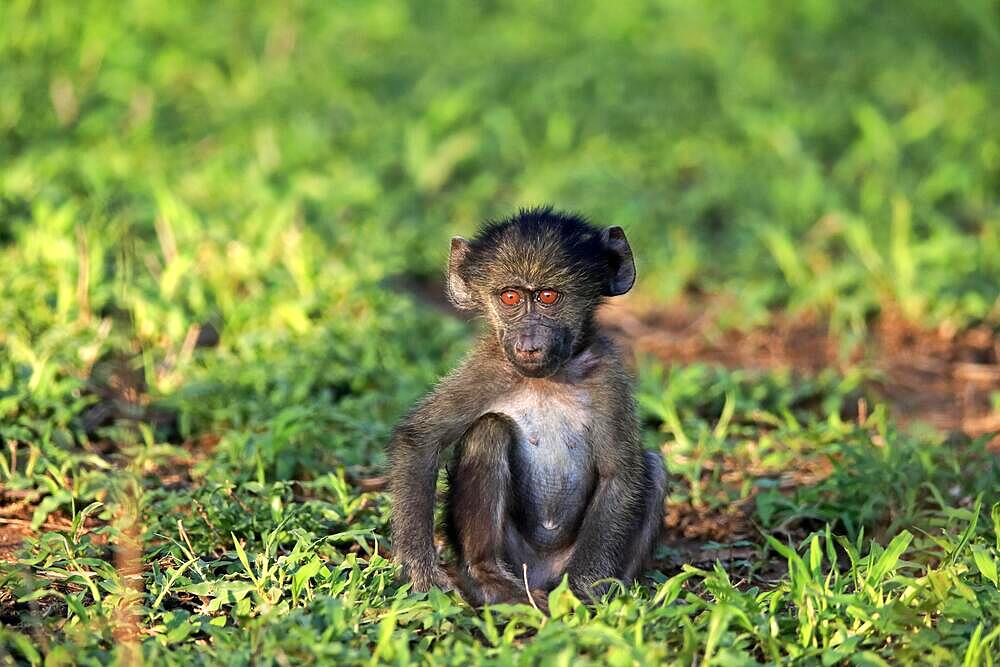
[[12, 534], [941, 377]]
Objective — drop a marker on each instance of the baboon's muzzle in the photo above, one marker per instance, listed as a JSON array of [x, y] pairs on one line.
[[537, 349]]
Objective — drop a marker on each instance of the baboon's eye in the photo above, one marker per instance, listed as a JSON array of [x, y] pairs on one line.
[[510, 297], [548, 296]]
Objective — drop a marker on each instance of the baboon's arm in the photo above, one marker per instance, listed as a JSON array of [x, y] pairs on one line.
[[415, 452]]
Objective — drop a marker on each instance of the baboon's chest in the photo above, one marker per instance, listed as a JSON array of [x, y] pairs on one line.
[[551, 466]]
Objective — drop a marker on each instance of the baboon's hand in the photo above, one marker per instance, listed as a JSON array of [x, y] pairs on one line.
[[425, 576]]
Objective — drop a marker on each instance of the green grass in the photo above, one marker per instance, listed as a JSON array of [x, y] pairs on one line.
[[170, 171]]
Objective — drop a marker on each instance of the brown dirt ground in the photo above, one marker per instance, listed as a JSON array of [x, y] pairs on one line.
[[16, 510], [943, 377]]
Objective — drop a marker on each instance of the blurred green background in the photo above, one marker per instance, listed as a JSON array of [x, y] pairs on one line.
[[212, 215], [823, 155]]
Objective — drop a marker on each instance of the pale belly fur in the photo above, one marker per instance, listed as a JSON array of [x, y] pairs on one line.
[[551, 469]]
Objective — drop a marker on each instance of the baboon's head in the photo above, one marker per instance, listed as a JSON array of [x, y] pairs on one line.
[[538, 276]]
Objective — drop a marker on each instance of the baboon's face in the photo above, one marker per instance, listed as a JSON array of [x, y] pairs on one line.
[[538, 277], [538, 326]]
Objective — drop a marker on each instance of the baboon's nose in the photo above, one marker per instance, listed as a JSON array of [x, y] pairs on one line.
[[528, 348]]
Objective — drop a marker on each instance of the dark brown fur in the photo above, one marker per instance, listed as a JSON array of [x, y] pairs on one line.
[[548, 472]]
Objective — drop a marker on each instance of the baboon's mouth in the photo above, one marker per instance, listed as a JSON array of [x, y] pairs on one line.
[[534, 368]]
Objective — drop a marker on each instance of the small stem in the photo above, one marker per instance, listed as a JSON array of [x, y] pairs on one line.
[[527, 589]]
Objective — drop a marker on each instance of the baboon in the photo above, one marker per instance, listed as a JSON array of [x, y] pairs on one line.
[[548, 476]]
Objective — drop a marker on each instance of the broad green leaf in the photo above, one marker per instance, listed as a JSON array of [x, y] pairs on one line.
[[888, 559], [986, 562]]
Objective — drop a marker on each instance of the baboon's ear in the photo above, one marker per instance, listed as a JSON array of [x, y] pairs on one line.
[[459, 292], [621, 266]]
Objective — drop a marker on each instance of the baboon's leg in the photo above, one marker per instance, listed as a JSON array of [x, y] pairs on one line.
[[477, 510]]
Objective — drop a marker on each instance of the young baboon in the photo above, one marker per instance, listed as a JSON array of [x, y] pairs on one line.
[[548, 473]]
